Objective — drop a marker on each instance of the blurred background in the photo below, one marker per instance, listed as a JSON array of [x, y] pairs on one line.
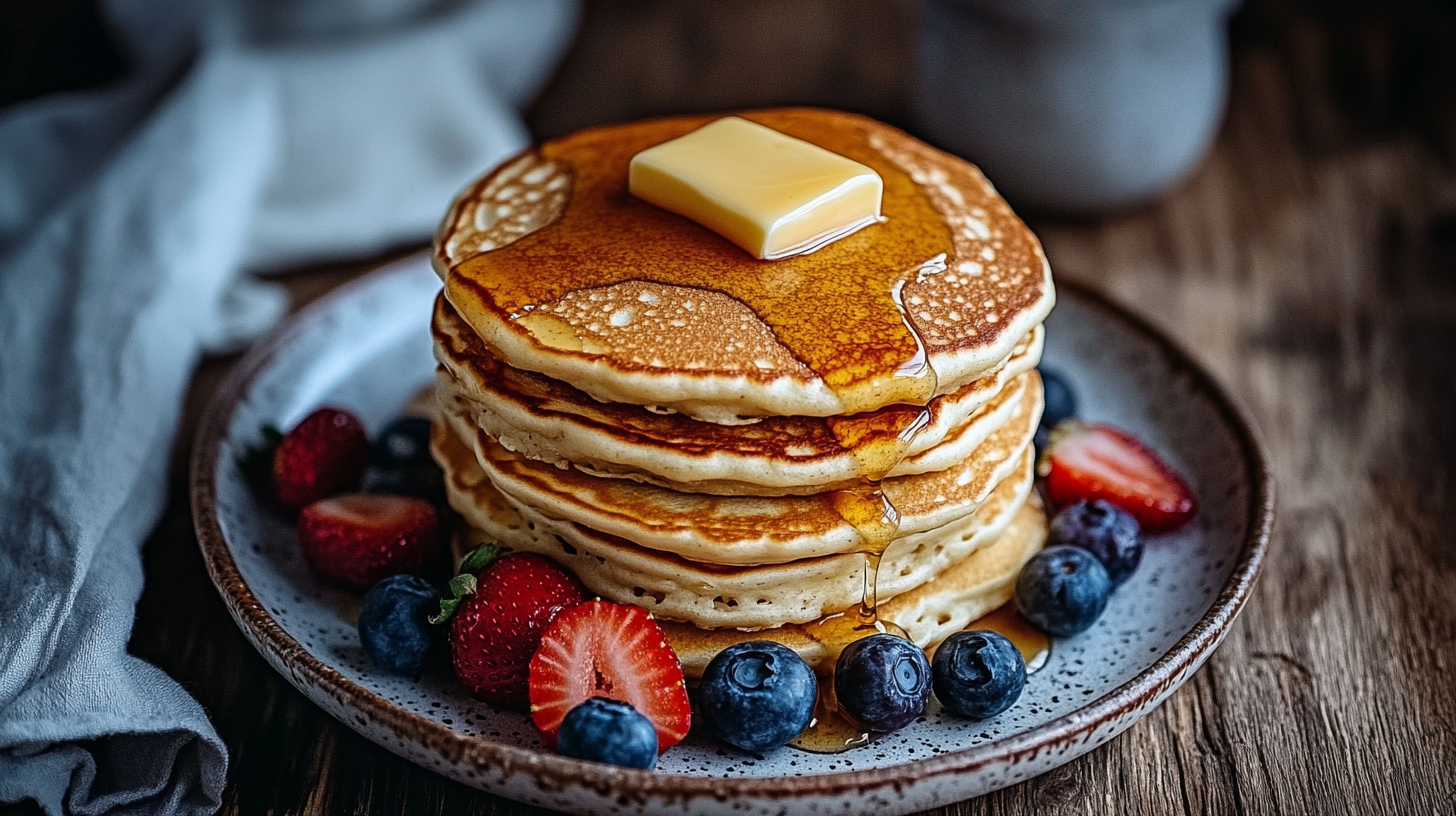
[[1273, 184], [1129, 70]]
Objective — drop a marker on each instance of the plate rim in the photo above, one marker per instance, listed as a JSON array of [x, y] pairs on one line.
[[551, 771]]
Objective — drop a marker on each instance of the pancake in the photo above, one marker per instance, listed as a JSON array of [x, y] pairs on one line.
[[709, 594], [549, 420], [749, 530], [929, 614], [560, 271]]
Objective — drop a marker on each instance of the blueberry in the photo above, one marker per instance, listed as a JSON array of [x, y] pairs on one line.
[[758, 695], [1060, 401], [1040, 439], [610, 731], [1062, 590], [978, 674], [882, 682], [405, 441], [423, 480], [1103, 529], [393, 625]]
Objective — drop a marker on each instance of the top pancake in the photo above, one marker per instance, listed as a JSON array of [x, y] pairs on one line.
[[561, 271]]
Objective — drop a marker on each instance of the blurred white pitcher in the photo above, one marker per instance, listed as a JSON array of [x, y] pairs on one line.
[[1074, 105]]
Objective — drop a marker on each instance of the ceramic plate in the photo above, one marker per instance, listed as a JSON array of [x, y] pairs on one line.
[[367, 347]]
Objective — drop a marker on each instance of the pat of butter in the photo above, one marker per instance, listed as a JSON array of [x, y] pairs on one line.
[[769, 193]]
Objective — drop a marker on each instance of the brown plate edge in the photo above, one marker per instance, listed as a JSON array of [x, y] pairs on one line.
[[554, 772]]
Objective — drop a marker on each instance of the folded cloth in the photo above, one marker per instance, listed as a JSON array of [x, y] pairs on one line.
[[251, 135]]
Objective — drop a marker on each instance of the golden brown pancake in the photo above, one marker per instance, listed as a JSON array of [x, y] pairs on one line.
[[561, 271], [549, 420], [751, 530], [709, 594]]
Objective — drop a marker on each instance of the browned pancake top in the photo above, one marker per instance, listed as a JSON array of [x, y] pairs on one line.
[[649, 290]]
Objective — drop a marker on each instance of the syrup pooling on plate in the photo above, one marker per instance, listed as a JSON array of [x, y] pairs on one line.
[[1035, 646]]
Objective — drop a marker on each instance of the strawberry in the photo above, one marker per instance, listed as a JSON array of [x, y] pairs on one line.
[[324, 454], [359, 540], [497, 629], [1094, 461], [603, 649]]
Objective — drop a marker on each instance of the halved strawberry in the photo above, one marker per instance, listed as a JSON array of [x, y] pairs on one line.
[[603, 649], [498, 625], [1094, 461], [323, 455], [359, 540]]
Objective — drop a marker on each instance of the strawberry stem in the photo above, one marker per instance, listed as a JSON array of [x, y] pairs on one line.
[[465, 584], [256, 462]]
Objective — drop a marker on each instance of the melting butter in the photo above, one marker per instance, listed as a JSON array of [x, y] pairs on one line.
[[770, 193]]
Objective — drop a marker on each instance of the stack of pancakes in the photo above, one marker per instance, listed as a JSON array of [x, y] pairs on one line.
[[722, 439]]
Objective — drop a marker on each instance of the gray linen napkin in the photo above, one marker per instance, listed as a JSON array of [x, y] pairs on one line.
[[249, 135]]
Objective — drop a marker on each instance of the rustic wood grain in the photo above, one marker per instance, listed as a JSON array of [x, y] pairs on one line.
[[1310, 261]]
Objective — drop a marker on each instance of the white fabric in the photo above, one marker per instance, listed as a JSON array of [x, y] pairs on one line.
[[253, 135]]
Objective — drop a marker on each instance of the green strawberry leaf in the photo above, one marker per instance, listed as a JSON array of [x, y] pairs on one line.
[[462, 585], [465, 584], [479, 558], [256, 463], [447, 610]]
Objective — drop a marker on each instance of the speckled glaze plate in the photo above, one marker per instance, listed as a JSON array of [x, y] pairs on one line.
[[367, 347]]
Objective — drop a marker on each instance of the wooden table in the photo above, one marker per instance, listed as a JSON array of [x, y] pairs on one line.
[[1311, 262]]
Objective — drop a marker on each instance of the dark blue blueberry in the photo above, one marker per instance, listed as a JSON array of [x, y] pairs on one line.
[[882, 682], [1103, 529], [393, 625], [1061, 402], [1040, 439], [424, 480], [1062, 590], [757, 695], [405, 441], [978, 674], [610, 731]]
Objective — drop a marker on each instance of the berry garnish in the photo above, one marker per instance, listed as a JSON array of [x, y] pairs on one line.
[[359, 540], [405, 441], [424, 480], [1104, 530], [394, 623], [978, 674], [611, 731], [1062, 590], [1084, 461], [603, 649], [1059, 401], [323, 455], [882, 682], [500, 618], [256, 462], [402, 463], [758, 695]]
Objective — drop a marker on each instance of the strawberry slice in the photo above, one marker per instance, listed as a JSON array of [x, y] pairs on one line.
[[324, 454], [359, 540], [1095, 461], [603, 649]]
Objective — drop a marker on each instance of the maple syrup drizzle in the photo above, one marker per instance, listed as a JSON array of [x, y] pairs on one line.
[[836, 310], [878, 442]]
